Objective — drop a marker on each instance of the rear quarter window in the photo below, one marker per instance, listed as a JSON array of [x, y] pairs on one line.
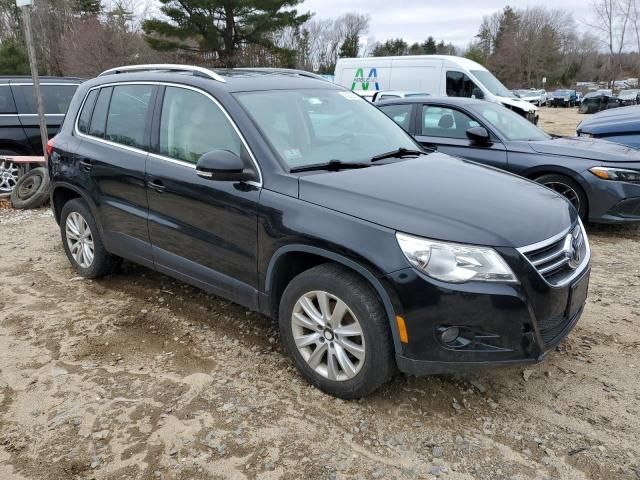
[[99, 117], [7, 105], [85, 115]]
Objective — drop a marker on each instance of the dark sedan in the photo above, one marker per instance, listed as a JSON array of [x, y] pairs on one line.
[[601, 179], [597, 101], [621, 125]]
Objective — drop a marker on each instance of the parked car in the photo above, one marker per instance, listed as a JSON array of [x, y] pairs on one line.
[[564, 98], [536, 97], [393, 94], [621, 125], [629, 97], [601, 179], [19, 127], [438, 75], [597, 101], [296, 198]]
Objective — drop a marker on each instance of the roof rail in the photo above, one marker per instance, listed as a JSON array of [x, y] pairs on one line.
[[302, 73], [205, 72]]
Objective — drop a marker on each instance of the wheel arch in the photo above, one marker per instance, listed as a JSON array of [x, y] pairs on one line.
[[62, 192], [291, 260], [539, 171]]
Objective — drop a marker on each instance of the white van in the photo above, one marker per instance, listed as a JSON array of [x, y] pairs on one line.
[[438, 75]]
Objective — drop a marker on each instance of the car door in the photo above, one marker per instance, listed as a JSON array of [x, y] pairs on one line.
[[444, 129], [56, 97], [201, 230], [115, 124]]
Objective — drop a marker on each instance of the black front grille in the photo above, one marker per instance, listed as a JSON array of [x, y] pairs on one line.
[[551, 330], [558, 259]]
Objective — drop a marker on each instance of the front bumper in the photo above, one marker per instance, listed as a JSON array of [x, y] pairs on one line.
[[506, 324], [613, 201]]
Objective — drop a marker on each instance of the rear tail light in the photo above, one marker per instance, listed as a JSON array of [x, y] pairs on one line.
[[49, 147]]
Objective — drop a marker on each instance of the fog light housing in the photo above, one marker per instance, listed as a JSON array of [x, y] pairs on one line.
[[449, 335]]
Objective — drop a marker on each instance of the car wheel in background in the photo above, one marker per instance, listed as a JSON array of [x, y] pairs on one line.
[[569, 189], [9, 174], [336, 330], [31, 190], [82, 242]]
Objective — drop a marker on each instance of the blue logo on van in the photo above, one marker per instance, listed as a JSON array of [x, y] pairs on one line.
[[365, 81]]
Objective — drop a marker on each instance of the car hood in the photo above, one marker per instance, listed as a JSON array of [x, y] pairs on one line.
[[444, 198], [521, 104], [587, 148], [619, 120]]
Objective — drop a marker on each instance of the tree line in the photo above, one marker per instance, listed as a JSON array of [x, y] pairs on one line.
[[520, 45]]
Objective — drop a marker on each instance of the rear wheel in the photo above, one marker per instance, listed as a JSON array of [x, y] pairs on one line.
[[569, 189], [82, 242], [335, 328]]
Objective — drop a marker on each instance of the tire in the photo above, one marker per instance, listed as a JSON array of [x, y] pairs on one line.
[[356, 377], [10, 173], [102, 262], [32, 189], [568, 188]]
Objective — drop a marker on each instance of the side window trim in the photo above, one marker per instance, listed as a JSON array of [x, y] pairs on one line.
[[90, 111]]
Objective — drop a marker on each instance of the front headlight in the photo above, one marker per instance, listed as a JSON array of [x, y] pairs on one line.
[[619, 174], [455, 262]]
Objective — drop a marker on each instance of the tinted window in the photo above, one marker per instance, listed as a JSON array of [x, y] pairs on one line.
[[56, 98], [191, 124], [87, 108], [128, 114], [445, 122], [401, 114], [459, 85], [99, 117], [6, 100]]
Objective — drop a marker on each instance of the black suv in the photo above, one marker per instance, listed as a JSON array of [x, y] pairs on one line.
[[296, 198], [19, 127]]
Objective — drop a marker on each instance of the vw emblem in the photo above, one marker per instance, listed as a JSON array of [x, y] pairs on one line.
[[572, 250]]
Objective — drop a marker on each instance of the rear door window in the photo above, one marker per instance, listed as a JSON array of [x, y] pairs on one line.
[[401, 114], [56, 98], [128, 115], [7, 104], [99, 117]]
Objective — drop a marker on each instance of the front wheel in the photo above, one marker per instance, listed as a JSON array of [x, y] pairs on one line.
[[335, 328], [569, 189]]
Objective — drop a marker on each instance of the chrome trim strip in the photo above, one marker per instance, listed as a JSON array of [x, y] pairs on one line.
[[579, 269], [77, 132], [165, 66]]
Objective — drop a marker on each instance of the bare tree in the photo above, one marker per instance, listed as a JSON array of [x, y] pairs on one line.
[[611, 19]]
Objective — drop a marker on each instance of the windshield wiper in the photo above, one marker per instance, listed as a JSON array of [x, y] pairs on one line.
[[399, 153], [331, 165]]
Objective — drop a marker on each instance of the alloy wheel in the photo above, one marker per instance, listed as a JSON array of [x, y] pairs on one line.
[[328, 335], [9, 174], [79, 239], [566, 191]]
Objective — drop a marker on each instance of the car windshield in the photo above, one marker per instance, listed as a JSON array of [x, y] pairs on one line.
[[562, 93], [525, 93], [491, 83], [628, 93], [509, 124], [308, 127]]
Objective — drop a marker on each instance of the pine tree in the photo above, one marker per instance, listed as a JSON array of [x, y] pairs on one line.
[[220, 28]]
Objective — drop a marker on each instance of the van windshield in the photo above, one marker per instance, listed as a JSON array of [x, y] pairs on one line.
[[491, 83], [312, 126]]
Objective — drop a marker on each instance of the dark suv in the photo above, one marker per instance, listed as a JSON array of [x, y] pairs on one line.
[[19, 128], [296, 198]]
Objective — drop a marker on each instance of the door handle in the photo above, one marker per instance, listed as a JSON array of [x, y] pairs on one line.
[[86, 164], [156, 185]]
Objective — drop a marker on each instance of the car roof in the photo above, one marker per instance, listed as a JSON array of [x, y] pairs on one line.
[[230, 80], [621, 119], [10, 79], [456, 101]]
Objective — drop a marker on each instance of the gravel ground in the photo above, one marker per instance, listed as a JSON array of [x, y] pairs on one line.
[[138, 376]]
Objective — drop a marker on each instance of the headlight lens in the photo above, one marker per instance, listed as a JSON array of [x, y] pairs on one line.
[[455, 262], [619, 174]]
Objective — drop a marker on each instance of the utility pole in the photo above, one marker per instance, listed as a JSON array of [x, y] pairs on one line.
[[25, 7]]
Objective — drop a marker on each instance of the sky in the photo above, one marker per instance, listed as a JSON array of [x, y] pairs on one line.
[[454, 21]]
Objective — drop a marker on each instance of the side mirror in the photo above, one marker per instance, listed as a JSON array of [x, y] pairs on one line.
[[477, 93], [478, 135], [223, 165]]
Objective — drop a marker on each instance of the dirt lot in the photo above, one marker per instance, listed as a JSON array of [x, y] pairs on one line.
[[138, 376]]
